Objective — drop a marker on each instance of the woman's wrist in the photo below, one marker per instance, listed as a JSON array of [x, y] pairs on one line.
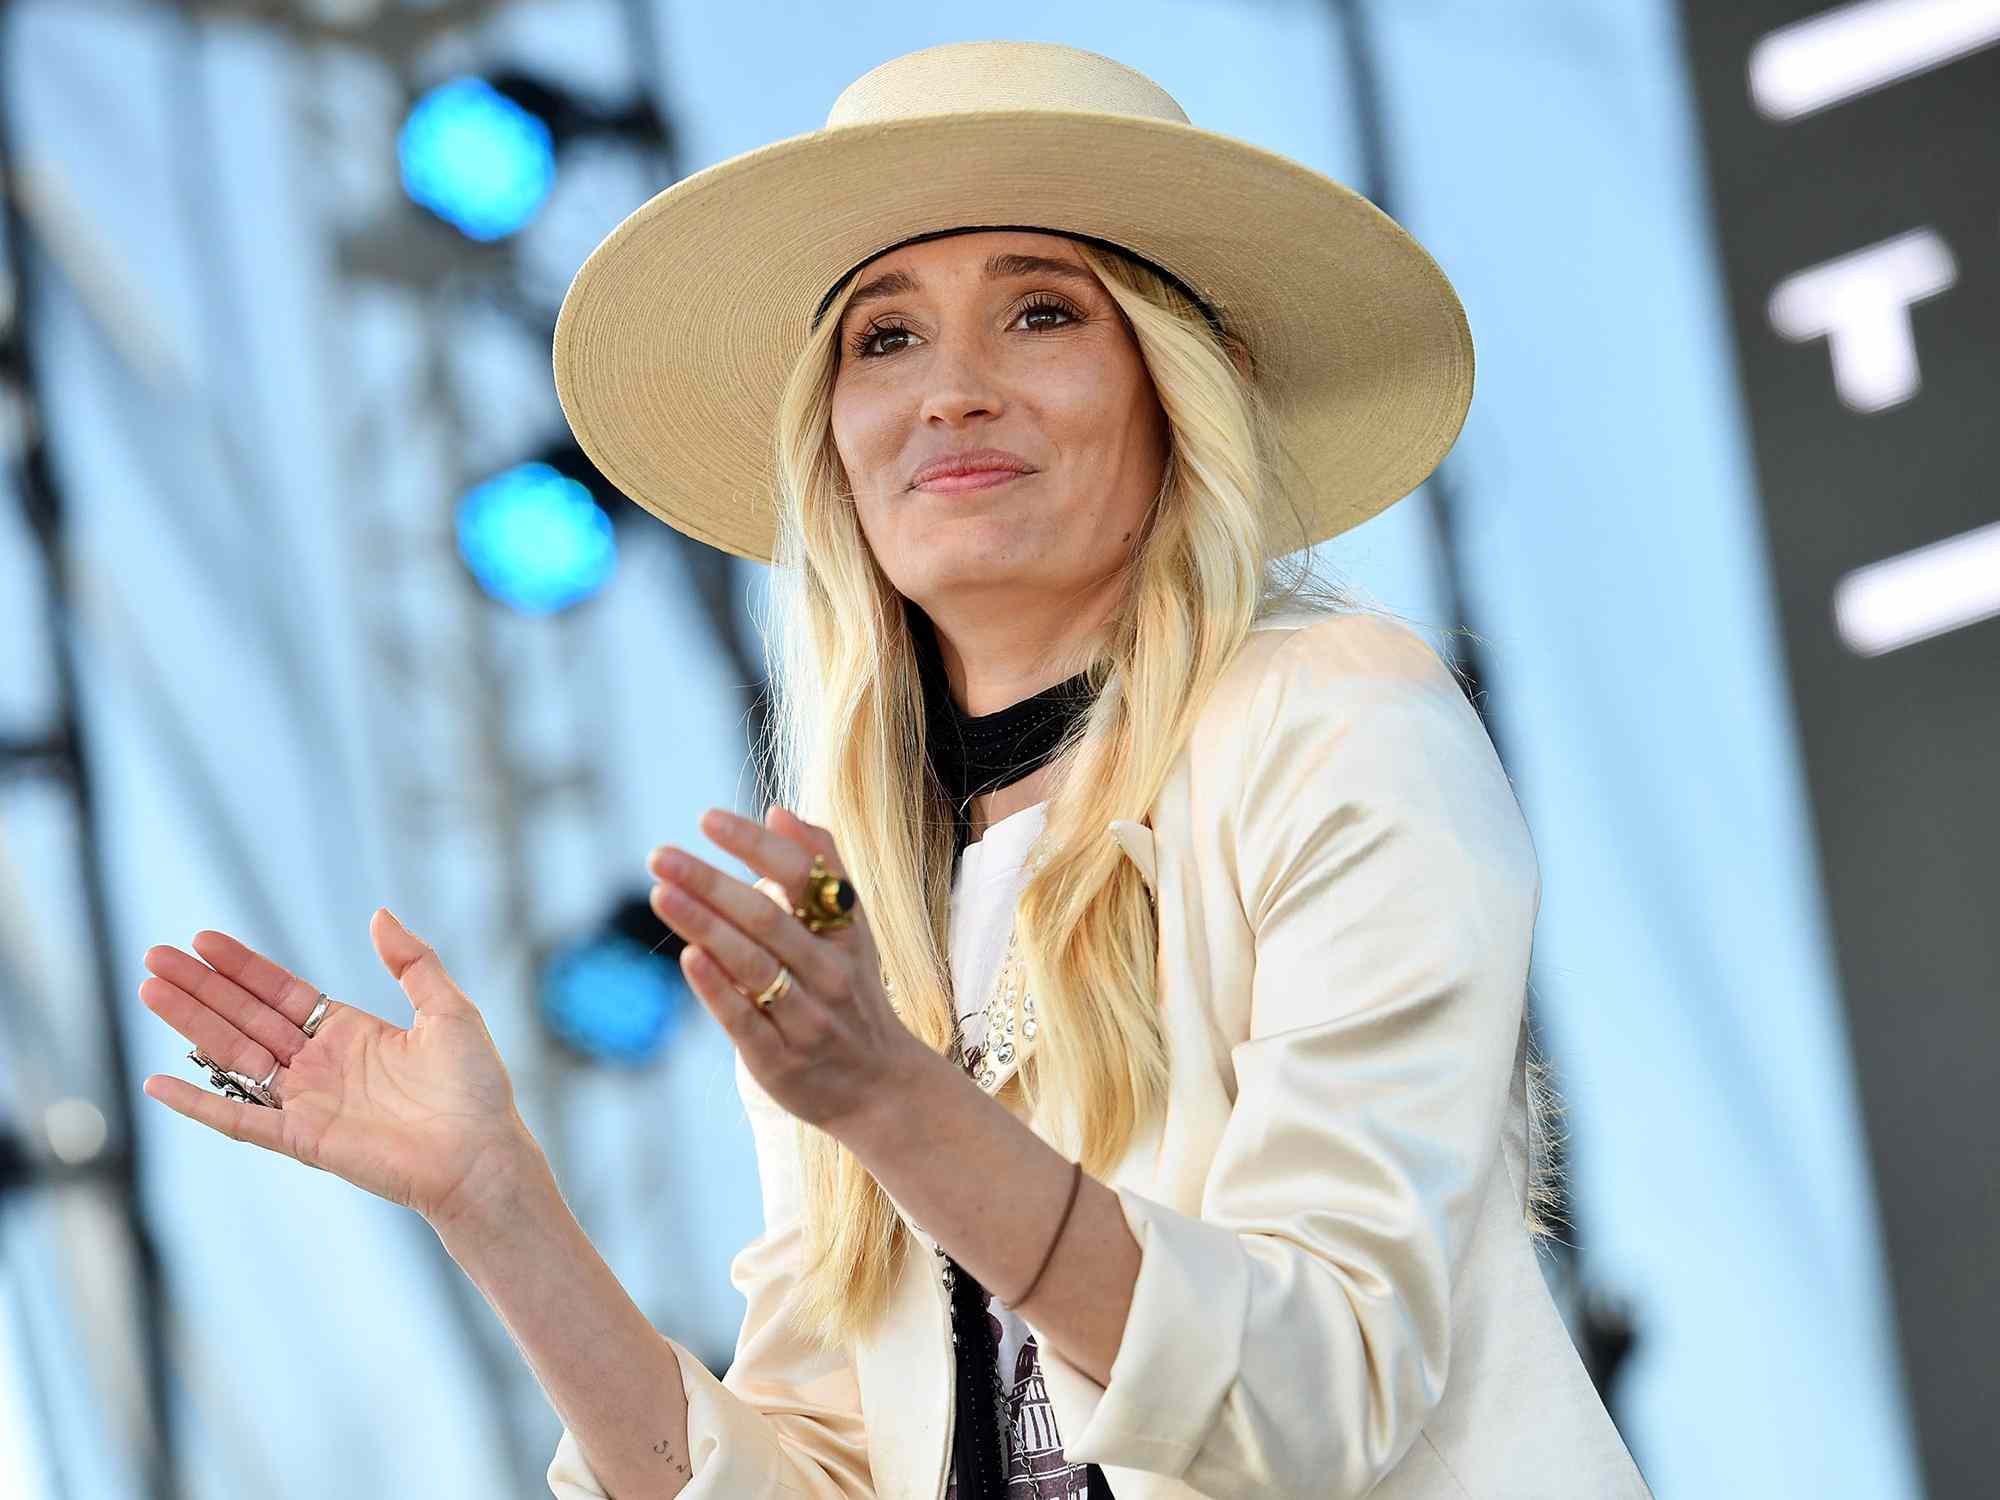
[[509, 1179]]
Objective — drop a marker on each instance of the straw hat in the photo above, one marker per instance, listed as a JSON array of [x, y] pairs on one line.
[[675, 339]]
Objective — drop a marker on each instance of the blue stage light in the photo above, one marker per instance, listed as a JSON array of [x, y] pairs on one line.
[[535, 539], [611, 999], [476, 159]]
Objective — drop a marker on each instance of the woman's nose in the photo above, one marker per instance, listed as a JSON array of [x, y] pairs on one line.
[[959, 383]]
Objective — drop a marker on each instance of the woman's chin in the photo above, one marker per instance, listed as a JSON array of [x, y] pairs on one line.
[[953, 574]]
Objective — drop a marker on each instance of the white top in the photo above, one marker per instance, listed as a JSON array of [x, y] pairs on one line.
[[984, 891]]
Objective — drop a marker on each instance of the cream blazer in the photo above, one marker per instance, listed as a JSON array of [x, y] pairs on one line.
[[1337, 1294]]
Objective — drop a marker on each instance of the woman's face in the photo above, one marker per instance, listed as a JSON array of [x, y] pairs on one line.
[[964, 343]]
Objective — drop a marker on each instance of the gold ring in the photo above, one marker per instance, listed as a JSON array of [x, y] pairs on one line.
[[776, 989], [829, 899]]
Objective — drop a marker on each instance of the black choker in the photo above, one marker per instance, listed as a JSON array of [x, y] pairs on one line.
[[974, 754]]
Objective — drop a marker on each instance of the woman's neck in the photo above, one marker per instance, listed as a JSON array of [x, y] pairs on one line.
[[990, 807], [991, 662], [988, 764]]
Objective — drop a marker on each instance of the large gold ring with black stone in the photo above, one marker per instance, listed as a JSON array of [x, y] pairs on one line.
[[828, 901]]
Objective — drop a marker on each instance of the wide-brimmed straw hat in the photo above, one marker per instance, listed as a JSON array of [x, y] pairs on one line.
[[676, 337]]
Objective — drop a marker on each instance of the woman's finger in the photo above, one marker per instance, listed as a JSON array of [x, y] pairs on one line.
[[272, 983], [785, 860], [201, 988], [817, 840], [750, 937], [211, 1032], [417, 968], [752, 1027], [749, 932], [810, 837], [253, 1123]]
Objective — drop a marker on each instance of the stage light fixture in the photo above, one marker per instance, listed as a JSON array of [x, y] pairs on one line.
[[477, 158], [535, 539], [610, 999], [618, 996]]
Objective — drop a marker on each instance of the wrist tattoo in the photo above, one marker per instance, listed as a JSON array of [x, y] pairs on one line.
[[666, 1450]]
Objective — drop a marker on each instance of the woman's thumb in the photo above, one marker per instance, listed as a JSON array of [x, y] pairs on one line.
[[415, 965]]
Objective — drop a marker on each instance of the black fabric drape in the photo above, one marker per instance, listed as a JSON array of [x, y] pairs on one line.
[[973, 754], [977, 1451], [979, 1459]]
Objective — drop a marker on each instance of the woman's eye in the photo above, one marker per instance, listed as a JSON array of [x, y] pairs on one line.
[[860, 346], [1033, 308]]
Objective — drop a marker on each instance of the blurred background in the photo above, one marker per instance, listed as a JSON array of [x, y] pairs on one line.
[[308, 604]]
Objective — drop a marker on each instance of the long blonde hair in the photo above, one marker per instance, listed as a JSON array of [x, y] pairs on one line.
[[846, 750]]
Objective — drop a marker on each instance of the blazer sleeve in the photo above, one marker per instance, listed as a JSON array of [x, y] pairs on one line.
[[786, 1419], [1294, 1338]]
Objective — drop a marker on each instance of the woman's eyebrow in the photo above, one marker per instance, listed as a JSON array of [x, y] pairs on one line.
[[997, 267]]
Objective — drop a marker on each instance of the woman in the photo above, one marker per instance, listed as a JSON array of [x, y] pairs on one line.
[[1157, 959]]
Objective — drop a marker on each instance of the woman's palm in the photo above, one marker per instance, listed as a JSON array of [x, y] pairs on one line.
[[400, 1113], [412, 1115]]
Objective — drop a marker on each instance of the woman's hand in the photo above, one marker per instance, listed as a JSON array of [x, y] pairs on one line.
[[423, 1117], [830, 1049]]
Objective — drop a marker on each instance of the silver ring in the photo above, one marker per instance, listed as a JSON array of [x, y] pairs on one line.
[[318, 1016]]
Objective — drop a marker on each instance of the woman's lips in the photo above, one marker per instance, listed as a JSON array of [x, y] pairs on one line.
[[954, 484]]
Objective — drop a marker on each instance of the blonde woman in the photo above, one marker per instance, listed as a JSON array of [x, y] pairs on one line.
[[1131, 1021]]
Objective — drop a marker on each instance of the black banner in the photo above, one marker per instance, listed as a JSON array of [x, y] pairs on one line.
[[1854, 158]]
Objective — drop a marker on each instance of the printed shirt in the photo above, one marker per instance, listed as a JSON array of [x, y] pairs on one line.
[[985, 889]]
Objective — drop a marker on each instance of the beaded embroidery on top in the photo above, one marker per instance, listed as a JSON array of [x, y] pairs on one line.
[[1002, 1014], [1010, 1013]]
